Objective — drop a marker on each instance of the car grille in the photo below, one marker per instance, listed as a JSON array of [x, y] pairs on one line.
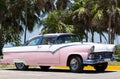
[[100, 55]]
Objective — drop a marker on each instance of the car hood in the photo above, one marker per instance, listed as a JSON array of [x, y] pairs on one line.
[[102, 47]]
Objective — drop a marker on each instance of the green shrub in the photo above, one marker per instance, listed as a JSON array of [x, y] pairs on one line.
[[117, 53]]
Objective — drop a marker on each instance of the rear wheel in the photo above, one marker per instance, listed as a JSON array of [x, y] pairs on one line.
[[101, 67], [76, 64], [21, 66], [45, 68]]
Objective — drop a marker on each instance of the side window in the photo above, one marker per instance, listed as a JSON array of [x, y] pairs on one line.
[[33, 42], [67, 39], [60, 40], [47, 41]]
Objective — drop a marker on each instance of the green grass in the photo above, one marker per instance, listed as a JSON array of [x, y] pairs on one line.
[[114, 63], [12, 66], [117, 53], [7, 66]]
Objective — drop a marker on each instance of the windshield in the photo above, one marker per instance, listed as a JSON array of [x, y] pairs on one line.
[[67, 39]]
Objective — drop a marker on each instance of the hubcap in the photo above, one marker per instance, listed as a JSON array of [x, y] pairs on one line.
[[20, 65], [74, 64]]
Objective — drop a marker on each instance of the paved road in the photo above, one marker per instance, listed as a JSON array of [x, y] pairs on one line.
[[36, 73]]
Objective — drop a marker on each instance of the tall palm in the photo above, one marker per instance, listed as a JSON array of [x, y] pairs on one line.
[[85, 17], [12, 13], [45, 6], [55, 17], [56, 22], [111, 17], [100, 15], [2, 11]]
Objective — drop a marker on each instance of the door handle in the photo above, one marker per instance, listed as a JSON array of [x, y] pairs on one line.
[[38, 46]]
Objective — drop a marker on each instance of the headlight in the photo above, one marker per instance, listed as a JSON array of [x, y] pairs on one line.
[[92, 48], [91, 56], [114, 49]]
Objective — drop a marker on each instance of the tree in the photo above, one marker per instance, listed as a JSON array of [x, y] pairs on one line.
[[13, 16], [111, 16], [12, 20], [41, 5], [55, 22], [2, 11], [86, 17], [98, 16]]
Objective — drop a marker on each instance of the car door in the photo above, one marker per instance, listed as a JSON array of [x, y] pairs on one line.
[[46, 56]]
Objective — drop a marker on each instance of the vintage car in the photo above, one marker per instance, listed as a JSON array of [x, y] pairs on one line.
[[59, 49]]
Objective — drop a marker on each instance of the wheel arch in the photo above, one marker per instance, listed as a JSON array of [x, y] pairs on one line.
[[73, 55], [19, 61]]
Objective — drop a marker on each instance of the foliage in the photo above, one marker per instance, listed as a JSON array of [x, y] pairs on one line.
[[85, 15], [57, 22], [23, 14], [10, 36], [117, 54], [91, 16], [13, 20], [98, 16]]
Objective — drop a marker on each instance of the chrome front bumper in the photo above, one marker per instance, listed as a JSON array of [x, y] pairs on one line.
[[96, 61]]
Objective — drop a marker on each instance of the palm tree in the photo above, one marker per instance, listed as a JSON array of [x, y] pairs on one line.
[[98, 16], [44, 6], [86, 17], [56, 22], [12, 13], [2, 11], [111, 17]]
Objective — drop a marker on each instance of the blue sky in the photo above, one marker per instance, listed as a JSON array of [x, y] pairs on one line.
[[37, 31]]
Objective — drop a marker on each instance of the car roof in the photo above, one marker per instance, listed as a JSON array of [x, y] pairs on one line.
[[56, 34], [51, 35]]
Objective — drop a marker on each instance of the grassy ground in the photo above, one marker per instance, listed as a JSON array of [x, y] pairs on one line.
[[114, 63], [117, 53], [112, 66]]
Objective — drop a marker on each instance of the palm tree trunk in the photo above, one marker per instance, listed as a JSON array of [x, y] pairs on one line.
[[1, 44], [112, 37], [86, 36], [100, 38], [25, 21], [92, 32], [109, 29]]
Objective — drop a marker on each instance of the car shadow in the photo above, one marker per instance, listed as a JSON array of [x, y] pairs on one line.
[[61, 71]]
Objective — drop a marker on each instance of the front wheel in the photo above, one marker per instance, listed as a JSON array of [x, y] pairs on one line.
[[101, 67], [21, 66], [76, 64]]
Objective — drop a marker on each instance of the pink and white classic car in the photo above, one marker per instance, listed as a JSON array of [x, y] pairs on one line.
[[60, 49]]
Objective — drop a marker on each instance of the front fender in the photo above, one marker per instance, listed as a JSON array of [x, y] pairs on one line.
[[65, 58]]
